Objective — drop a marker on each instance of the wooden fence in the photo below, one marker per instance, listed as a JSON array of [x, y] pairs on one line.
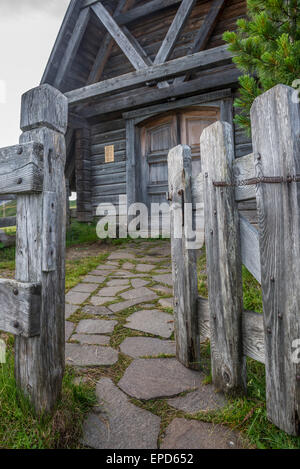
[[32, 306], [271, 175]]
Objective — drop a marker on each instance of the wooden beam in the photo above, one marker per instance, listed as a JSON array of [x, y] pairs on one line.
[[144, 96], [72, 47], [121, 39], [243, 168], [21, 169], [175, 29], [205, 32], [209, 58], [148, 8], [250, 248], [20, 308], [105, 48]]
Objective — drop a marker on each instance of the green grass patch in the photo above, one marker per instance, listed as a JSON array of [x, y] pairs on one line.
[[9, 209], [76, 269], [80, 233], [20, 428]]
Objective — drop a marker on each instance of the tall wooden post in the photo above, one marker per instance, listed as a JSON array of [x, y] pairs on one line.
[[275, 122], [184, 262], [224, 264], [40, 250], [83, 175]]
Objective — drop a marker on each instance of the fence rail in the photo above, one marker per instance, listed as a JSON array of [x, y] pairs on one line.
[[270, 178]]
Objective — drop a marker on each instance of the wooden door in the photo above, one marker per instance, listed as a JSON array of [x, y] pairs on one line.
[[158, 136], [192, 123]]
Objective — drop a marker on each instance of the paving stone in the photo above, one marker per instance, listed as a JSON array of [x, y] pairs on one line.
[[158, 377], [166, 303], [97, 310], [99, 301], [152, 322], [121, 255], [128, 266], [138, 283], [138, 347], [118, 307], [118, 282], [125, 274], [162, 271], [162, 289], [90, 355], [203, 399], [70, 310], [69, 329], [144, 267], [101, 273], [112, 263], [85, 288], [76, 298], [119, 424], [103, 267], [95, 326], [166, 279], [192, 434], [94, 279], [137, 293], [90, 339], [111, 291]]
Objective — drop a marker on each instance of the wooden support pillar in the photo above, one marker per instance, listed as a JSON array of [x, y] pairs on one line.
[[83, 175], [40, 249], [224, 266], [184, 262], [275, 119]]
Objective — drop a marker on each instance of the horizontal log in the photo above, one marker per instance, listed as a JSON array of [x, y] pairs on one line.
[[250, 248], [20, 308], [8, 221], [253, 330], [21, 169], [205, 59], [243, 168]]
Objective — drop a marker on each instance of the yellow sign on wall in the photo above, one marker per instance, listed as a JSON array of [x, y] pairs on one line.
[[109, 154]]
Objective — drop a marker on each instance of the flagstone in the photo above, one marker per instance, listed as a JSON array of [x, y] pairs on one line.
[[111, 291], [128, 266], [118, 282], [90, 355], [166, 303], [193, 434], [69, 329], [137, 293], [162, 289], [138, 283], [144, 267], [119, 424], [166, 279], [118, 307], [137, 347], [152, 322], [158, 377], [203, 400], [95, 326], [94, 279], [70, 310], [91, 339], [76, 298], [99, 301], [97, 310], [85, 288], [121, 255]]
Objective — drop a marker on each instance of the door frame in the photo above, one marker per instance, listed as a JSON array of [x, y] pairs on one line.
[[222, 99]]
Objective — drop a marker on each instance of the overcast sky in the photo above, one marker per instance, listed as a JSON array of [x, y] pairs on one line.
[[28, 29]]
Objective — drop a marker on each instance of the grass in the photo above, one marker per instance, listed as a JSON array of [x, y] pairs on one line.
[[20, 428]]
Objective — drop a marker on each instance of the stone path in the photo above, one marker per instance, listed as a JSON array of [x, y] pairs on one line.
[[119, 334]]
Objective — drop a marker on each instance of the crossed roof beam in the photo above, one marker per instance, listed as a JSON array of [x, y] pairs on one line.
[[117, 31]]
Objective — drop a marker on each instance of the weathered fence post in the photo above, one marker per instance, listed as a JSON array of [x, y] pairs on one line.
[[223, 259], [184, 263], [275, 122], [39, 361]]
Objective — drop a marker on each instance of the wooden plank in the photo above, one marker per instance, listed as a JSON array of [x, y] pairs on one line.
[[243, 168], [39, 361], [121, 39], [83, 172], [8, 221], [253, 330], [174, 31], [223, 260], [104, 50], [143, 96], [212, 57], [21, 169], [198, 210], [149, 7], [205, 32], [184, 262], [250, 248], [275, 122], [72, 47], [20, 308]]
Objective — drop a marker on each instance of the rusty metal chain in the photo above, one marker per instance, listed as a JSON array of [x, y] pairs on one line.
[[259, 180]]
